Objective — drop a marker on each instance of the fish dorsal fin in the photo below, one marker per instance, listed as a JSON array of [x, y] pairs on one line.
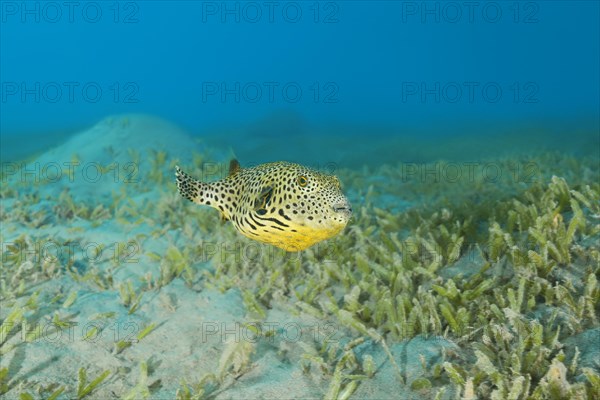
[[234, 167]]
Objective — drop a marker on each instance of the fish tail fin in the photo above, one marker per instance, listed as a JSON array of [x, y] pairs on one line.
[[190, 188]]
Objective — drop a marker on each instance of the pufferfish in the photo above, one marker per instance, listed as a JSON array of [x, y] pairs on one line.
[[283, 204]]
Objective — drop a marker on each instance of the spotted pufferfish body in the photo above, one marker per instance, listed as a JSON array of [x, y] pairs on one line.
[[284, 204]]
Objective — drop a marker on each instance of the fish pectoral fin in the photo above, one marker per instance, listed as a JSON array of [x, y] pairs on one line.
[[223, 218], [263, 199]]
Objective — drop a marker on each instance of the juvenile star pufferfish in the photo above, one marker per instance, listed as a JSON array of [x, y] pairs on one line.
[[287, 205]]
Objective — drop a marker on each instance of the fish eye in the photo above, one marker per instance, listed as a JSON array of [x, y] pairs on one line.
[[302, 180]]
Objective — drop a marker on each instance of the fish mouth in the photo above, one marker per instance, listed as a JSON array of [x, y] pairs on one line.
[[342, 208]]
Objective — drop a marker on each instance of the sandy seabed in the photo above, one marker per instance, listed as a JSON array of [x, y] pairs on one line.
[[113, 286]]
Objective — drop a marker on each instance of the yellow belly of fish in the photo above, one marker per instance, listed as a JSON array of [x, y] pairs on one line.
[[296, 241]]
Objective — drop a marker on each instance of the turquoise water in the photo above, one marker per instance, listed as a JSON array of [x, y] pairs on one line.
[[431, 67], [465, 137]]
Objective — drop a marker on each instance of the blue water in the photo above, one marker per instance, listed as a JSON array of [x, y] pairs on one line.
[[432, 65], [465, 136]]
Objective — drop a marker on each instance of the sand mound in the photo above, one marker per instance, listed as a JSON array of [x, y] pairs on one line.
[[110, 140], [118, 150]]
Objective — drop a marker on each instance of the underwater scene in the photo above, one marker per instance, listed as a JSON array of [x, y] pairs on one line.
[[300, 200]]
